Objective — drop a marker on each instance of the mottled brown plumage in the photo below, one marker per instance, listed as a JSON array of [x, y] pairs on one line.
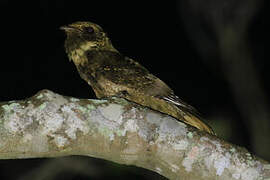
[[110, 73]]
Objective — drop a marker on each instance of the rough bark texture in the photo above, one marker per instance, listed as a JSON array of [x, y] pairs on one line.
[[51, 125]]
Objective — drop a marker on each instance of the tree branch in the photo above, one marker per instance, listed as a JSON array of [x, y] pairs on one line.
[[51, 125]]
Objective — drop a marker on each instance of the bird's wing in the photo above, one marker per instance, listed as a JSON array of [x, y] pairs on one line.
[[123, 76], [163, 91], [130, 73], [123, 71]]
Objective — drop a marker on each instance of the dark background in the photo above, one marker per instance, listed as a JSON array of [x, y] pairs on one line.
[[213, 54]]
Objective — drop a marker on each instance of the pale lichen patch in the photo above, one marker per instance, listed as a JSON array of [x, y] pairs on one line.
[[73, 123], [131, 126], [15, 106], [108, 120], [250, 174], [104, 126], [40, 96], [169, 130], [72, 99], [98, 101], [60, 141], [83, 109], [90, 107], [14, 119], [112, 112], [241, 168], [170, 126], [180, 145], [110, 123], [190, 135], [86, 110], [12, 125], [243, 172], [154, 118], [190, 159], [56, 98], [52, 123], [11, 107], [43, 105], [6, 107], [221, 163], [219, 160], [208, 161], [232, 150]]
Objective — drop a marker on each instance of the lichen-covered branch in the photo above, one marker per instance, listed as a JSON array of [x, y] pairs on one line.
[[51, 125]]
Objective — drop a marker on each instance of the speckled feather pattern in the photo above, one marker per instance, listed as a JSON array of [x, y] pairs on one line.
[[110, 73]]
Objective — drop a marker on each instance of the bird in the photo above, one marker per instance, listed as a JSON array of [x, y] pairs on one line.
[[111, 74]]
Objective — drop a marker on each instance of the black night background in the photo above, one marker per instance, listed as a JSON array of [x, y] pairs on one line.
[[214, 55]]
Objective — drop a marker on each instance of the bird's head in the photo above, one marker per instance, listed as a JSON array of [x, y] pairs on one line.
[[85, 36]]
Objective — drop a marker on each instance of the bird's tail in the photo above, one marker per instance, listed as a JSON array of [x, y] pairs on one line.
[[197, 122]]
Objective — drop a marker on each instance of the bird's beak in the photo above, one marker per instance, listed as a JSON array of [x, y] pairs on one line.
[[67, 28]]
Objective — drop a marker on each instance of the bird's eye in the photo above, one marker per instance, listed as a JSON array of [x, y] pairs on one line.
[[89, 30]]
